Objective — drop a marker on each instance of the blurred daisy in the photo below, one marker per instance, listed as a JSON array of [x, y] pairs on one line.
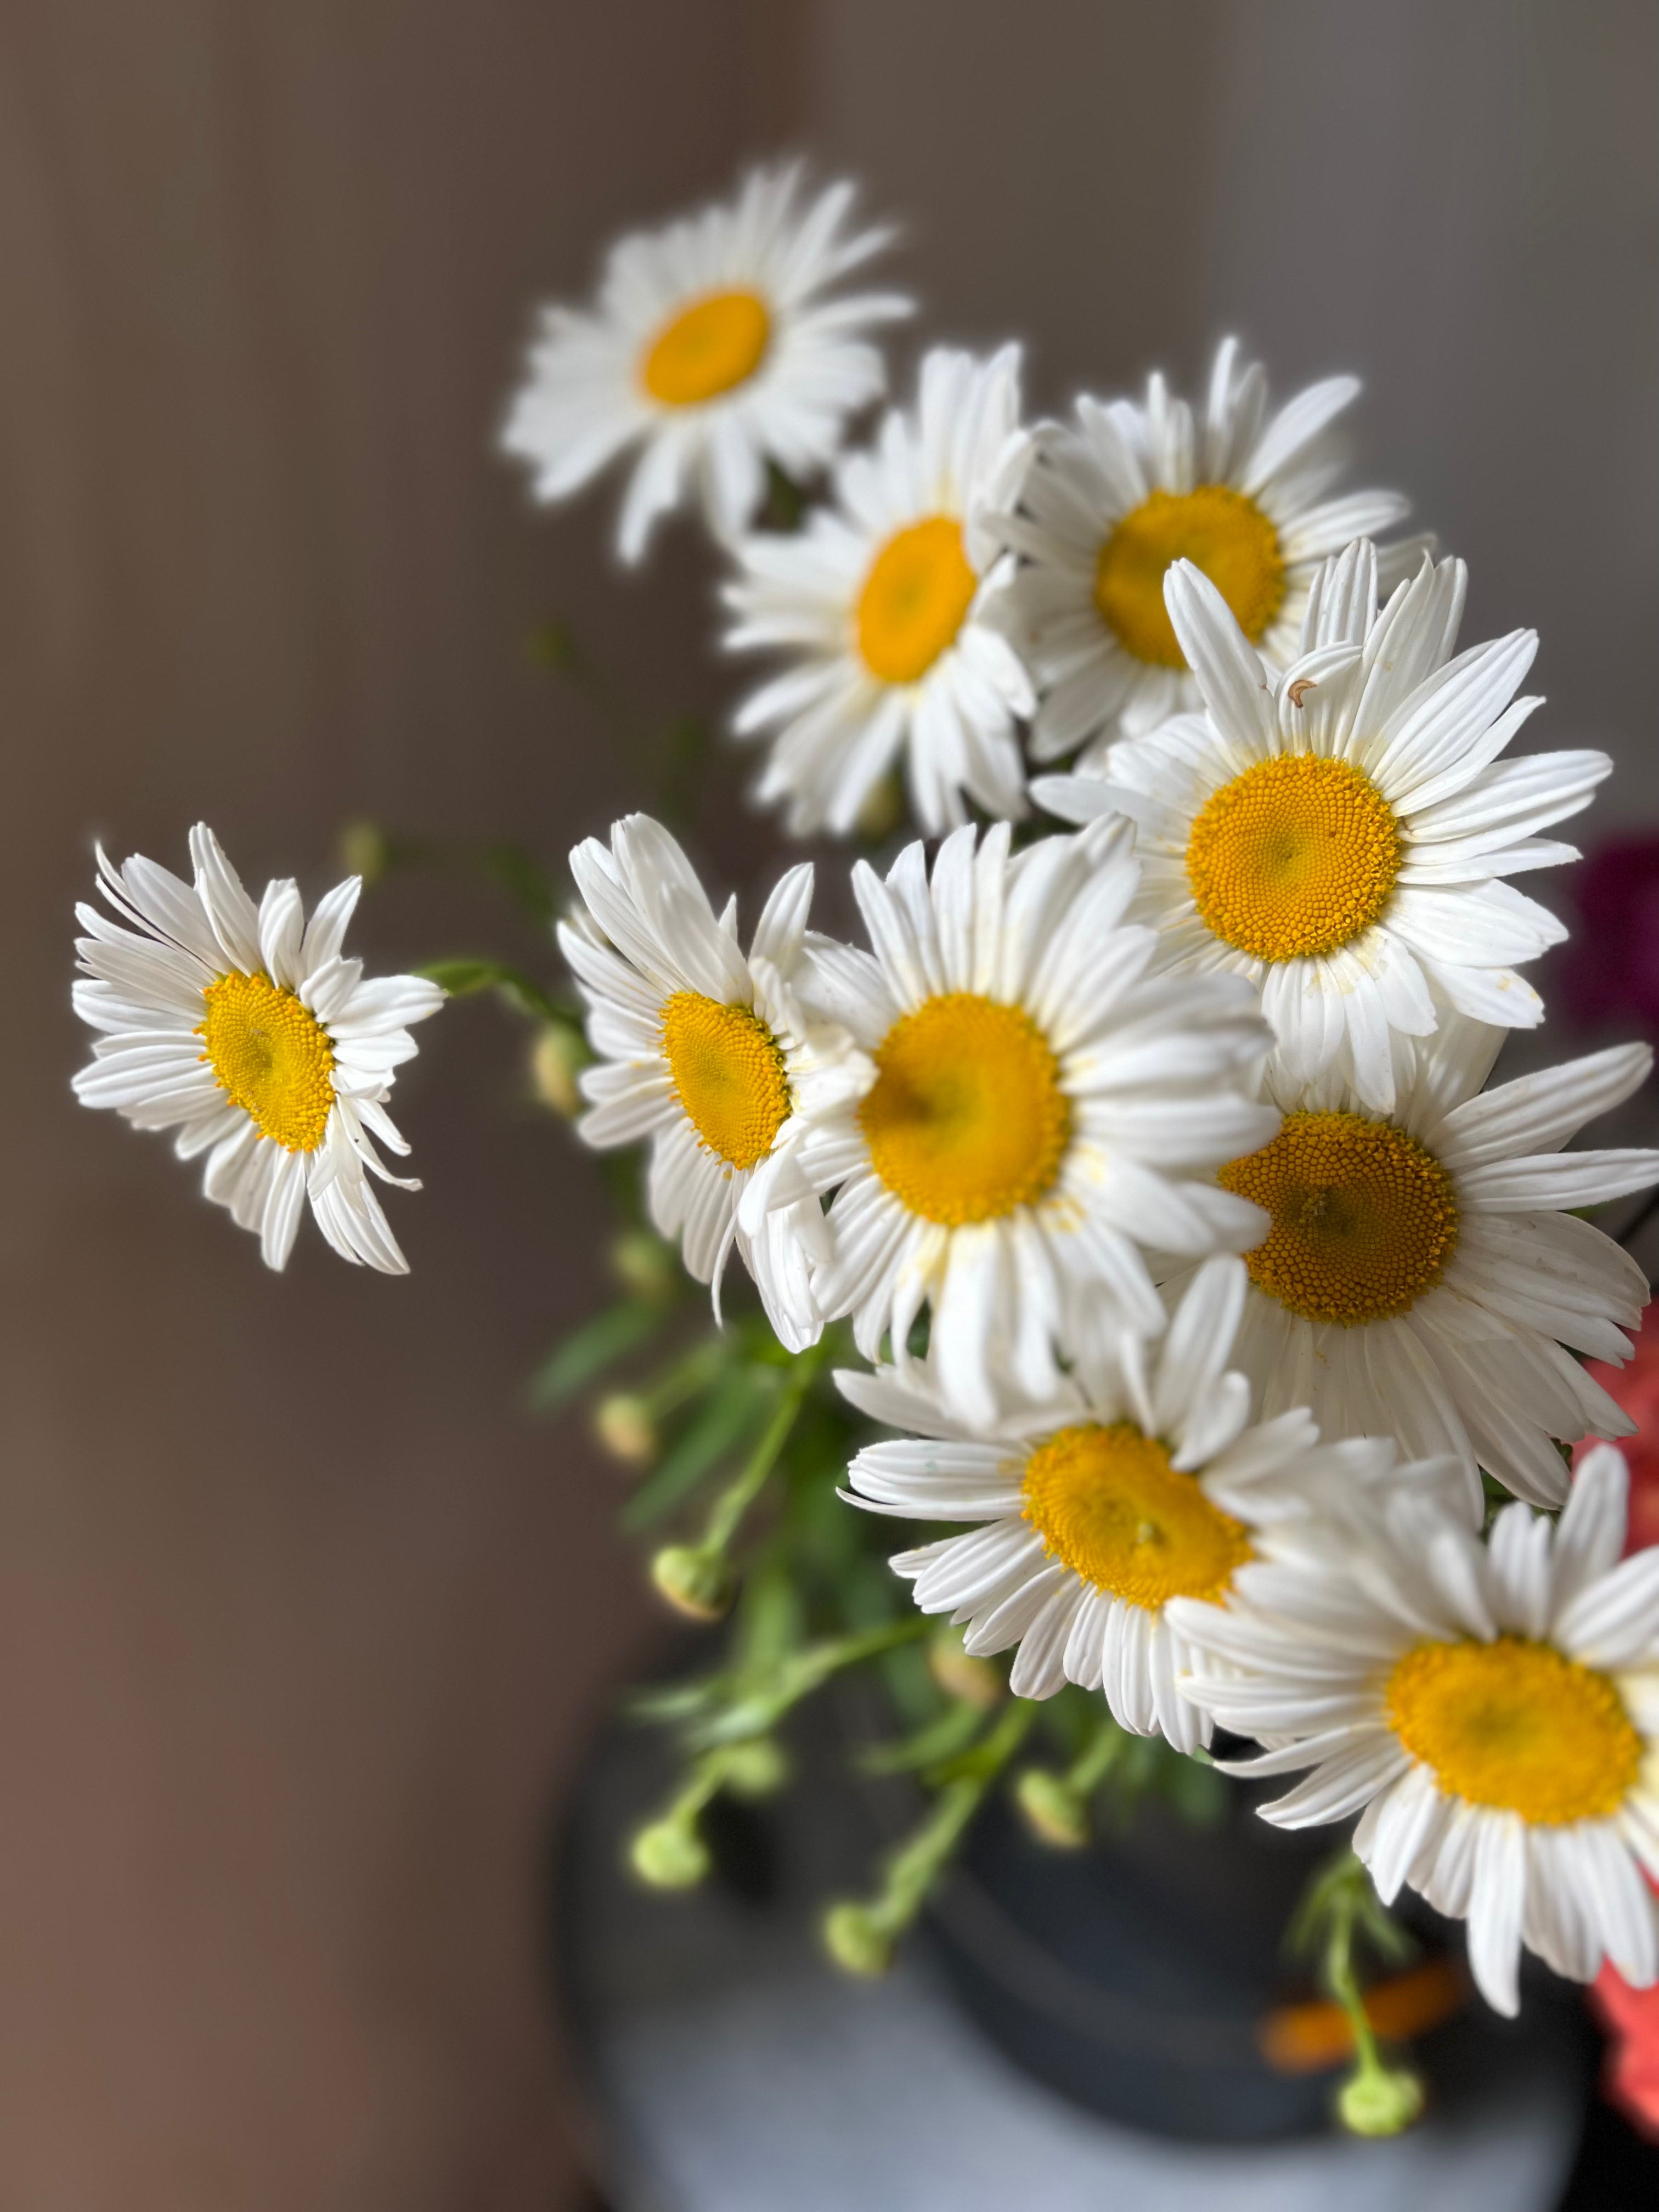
[[1108, 505], [1139, 1480], [1425, 1272], [707, 1053], [717, 344], [1492, 1711], [1341, 835], [1041, 1109], [247, 1030], [875, 602]]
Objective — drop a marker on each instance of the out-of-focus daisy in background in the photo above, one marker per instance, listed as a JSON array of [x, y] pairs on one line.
[[248, 1030], [1341, 833], [1139, 1480], [717, 344], [706, 1051], [1424, 1278], [1043, 1109], [1491, 1711], [1113, 499], [874, 605]]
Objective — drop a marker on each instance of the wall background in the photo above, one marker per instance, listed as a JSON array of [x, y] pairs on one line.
[[300, 1619]]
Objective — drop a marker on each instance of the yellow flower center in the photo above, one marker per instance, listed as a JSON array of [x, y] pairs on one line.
[[1515, 1725], [1365, 1220], [1108, 1503], [728, 1075], [1219, 530], [919, 588], [1296, 856], [707, 348], [966, 1119], [273, 1056]]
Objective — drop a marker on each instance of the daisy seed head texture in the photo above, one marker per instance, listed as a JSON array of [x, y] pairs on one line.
[[723, 341], [248, 1031], [873, 612], [1340, 831], [1043, 1109], [1126, 490], [1486, 1709], [706, 1052]]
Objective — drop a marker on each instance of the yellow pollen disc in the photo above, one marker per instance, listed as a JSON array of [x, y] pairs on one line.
[[1515, 1725], [1296, 856], [1365, 1220], [966, 1119], [1107, 1501], [728, 1075], [273, 1056], [1219, 530], [707, 348], [919, 588]]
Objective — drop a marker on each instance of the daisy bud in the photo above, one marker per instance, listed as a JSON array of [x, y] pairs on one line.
[[1053, 1809], [555, 1057], [856, 1940], [365, 851], [624, 1426], [1380, 2100], [758, 1768], [647, 1266], [669, 1854], [882, 811], [975, 1681], [699, 1584]]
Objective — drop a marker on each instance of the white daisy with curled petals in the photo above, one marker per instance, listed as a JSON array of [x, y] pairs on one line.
[[1044, 1108], [248, 1030], [718, 343], [1140, 1480], [1112, 499], [1490, 1711], [875, 605], [1426, 1275], [1341, 834], [705, 1050]]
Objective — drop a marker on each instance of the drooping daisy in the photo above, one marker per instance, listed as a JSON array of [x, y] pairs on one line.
[[1493, 1708], [706, 1052], [1422, 1275], [1108, 505], [1139, 1480], [1341, 834], [875, 602], [248, 1030], [1043, 1109], [717, 344]]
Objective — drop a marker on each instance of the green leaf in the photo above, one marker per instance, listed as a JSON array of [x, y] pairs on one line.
[[590, 1349], [463, 979], [729, 1409]]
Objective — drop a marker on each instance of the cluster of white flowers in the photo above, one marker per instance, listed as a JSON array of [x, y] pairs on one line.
[[1149, 1157]]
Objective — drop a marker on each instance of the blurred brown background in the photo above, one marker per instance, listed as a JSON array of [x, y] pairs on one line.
[[301, 1619]]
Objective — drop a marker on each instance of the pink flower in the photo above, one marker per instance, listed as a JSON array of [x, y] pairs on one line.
[[1630, 2016], [1611, 971]]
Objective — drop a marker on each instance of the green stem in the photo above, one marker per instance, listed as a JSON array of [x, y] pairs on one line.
[[1090, 1768], [1344, 1985], [917, 1863], [735, 1500]]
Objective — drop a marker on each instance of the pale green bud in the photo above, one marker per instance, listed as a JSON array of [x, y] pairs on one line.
[[702, 1584], [856, 1941], [1382, 2101], [1053, 1809], [624, 1425], [669, 1855]]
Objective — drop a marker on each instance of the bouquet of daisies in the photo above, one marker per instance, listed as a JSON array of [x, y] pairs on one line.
[[1129, 1206]]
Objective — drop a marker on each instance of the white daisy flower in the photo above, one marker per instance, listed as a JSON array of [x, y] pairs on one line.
[[1493, 1709], [1425, 1277], [875, 601], [706, 1052], [248, 1030], [1341, 833], [1107, 507], [1140, 1479], [717, 344], [1043, 1109]]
